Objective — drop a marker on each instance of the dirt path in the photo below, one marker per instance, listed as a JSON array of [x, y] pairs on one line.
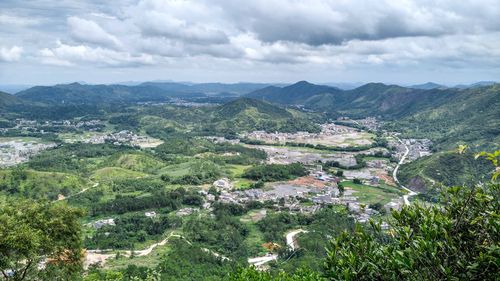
[[61, 198], [100, 256]]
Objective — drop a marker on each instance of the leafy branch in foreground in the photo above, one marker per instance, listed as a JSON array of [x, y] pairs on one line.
[[456, 240], [39, 241]]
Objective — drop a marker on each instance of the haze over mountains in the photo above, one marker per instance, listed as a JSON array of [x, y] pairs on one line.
[[240, 87]]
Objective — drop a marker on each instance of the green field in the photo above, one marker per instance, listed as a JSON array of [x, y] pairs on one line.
[[372, 194]]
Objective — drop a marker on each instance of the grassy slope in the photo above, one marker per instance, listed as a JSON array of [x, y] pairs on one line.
[[473, 117], [448, 168]]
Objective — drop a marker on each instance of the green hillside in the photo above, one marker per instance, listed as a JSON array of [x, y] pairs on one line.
[[246, 114], [471, 116], [297, 93], [242, 105], [76, 93], [447, 168], [7, 100]]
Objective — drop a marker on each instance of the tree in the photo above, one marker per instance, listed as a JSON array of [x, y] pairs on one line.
[[341, 188], [456, 240], [246, 274], [33, 232]]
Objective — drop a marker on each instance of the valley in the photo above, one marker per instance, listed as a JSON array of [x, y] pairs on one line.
[[240, 182]]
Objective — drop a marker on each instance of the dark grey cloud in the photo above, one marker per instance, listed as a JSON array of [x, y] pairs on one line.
[[318, 22]]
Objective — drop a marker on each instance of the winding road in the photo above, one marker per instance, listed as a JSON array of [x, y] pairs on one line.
[[290, 242], [100, 256], [290, 238], [395, 173]]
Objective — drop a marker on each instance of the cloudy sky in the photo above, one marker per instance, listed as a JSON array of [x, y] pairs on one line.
[[393, 41]]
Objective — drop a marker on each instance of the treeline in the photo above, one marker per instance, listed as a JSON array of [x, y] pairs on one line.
[[168, 200], [275, 172], [130, 229], [72, 157], [190, 146], [378, 142], [360, 161]]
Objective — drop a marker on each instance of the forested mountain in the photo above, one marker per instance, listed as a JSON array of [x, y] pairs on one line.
[[208, 88], [470, 116], [242, 105], [298, 93], [8, 99], [76, 93], [372, 99], [246, 113], [427, 86], [448, 168], [446, 115]]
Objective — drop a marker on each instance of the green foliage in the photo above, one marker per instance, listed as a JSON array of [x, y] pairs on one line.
[[31, 231], [224, 234], [447, 168], [129, 230], [275, 172], [38, 185], [466, 116], [190, 262], [72, 158], [169, 200], [274, 225], [251, 274], [456, 241], [494, 158]]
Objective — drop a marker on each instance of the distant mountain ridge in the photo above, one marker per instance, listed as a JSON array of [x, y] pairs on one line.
[[76, 93], [297, 93], [428, 86], [210, 88], [372, 99], [8, 100]]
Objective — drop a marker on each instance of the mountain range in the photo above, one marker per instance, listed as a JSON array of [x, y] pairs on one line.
[[447, 115]]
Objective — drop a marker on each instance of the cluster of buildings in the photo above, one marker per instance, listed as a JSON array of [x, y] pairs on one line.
[[222, 140], [329, 129], [100, 223], [14, 152], [33, 125], [333, 129], [278, 137], [124, 137], [371, 123], [417, 148]]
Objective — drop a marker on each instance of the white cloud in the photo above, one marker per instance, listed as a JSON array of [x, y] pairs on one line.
[[10, 54], [88, 31], [64, 54]]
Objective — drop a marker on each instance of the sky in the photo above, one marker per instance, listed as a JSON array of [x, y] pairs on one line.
[[391, 41]]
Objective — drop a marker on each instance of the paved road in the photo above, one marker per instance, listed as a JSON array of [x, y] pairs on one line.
[[258, 261], [290, 241], [290, 238], [395, 173]]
